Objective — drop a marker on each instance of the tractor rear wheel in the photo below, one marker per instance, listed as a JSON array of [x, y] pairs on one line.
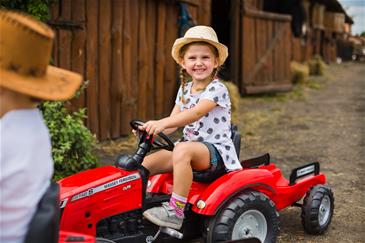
[[248, 215], [317, 209]]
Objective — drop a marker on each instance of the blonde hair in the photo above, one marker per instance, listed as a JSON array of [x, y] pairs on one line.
[[184, 76]]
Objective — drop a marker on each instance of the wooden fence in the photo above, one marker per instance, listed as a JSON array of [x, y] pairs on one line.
[[122, 47], [260, 49], [302, 49]]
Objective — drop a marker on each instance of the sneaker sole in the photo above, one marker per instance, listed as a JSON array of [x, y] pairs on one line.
[[161, 223]]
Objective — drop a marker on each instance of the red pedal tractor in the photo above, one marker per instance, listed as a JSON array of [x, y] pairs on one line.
[[108, 202]]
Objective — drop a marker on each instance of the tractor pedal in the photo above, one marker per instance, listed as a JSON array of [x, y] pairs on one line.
[[165, 230], [172, 232]]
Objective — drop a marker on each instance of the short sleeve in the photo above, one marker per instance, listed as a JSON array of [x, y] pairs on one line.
[[178, 97], [217, 92]]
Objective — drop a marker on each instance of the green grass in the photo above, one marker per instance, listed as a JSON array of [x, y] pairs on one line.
[[313, 84]]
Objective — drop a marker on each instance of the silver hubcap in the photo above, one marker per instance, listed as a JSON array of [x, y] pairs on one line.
[[324, 210], [251, 223]]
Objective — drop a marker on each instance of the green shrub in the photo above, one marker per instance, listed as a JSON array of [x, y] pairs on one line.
[[72, 143], [37, 8]]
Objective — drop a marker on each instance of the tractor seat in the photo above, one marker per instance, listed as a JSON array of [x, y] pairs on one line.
[[257, 161], [236, 138], [209, 176]]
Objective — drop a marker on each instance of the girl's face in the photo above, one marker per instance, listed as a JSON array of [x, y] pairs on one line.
[[199, 62]]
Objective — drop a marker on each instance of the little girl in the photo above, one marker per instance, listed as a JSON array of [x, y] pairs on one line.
[[203, 108]]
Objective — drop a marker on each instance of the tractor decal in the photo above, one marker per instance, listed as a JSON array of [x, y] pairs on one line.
[[63, 203], [106, 186]]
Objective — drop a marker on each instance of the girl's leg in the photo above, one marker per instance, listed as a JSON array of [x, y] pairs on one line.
[[186, 157], [158, 162]]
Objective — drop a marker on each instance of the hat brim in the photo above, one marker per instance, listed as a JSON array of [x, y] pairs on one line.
[[57, 84], [179, 43]]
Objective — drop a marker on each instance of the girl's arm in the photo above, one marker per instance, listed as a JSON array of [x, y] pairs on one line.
[[180, 119], [190, 115], [174, 111]]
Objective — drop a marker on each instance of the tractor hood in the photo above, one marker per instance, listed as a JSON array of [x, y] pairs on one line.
[[93, 195], [94, 180]]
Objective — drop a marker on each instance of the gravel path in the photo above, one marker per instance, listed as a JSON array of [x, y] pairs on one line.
[[325, 123]]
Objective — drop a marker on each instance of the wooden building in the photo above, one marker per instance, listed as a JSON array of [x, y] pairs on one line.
[[334, 21], [317, 26], [122, 47], [260, 47]]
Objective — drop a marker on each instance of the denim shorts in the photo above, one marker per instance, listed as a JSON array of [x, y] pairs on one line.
[[214, 154], [216, 169]]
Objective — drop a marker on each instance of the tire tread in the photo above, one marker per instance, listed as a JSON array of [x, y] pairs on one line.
[[310, 209], [220, 229]]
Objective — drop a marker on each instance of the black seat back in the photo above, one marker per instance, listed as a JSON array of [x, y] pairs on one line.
[[211, 175], [236, 138], [44, 226]]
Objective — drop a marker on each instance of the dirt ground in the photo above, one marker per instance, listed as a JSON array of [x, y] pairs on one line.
[[325, 122], [322, 120]]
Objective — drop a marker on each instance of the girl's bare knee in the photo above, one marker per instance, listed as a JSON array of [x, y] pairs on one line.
[[182, 153], [159, 162]]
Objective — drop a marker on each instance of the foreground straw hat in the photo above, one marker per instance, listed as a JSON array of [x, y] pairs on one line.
[[25, 52], [200, 33]]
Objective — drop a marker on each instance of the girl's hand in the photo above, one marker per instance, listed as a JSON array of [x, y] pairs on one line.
[[154, 127]]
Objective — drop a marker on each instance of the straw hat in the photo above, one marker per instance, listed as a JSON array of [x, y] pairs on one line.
[[200, 33], [25, 52]]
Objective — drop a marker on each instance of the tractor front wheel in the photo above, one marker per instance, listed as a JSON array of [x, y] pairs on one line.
[[317, 209], [248, 215]]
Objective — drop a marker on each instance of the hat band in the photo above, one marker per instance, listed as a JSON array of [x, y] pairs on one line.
[[31, 71]]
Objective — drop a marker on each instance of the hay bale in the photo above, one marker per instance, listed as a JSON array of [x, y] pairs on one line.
[[234, 94], [317, 66], [299, 72], [322, 66]]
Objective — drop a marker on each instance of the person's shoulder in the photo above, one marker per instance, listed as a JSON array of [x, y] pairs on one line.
[[216, 85], [187, 84], [23, 126]]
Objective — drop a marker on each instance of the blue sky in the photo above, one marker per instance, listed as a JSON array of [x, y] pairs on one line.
[[356, 10]]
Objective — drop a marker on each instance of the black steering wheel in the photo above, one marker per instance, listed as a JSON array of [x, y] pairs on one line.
[[166, 142]]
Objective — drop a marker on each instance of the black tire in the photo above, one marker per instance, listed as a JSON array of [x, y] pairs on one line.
[[245, 210], [317, 209]]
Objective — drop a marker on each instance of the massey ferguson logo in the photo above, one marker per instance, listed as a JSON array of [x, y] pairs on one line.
[[63, 203], [106, 186]]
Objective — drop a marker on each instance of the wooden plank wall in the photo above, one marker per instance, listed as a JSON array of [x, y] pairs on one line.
[[317, 41], [301, 52], [329, 46], [307, 49], [122, 47], [296, 50], [324, 44], [265, 47]]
